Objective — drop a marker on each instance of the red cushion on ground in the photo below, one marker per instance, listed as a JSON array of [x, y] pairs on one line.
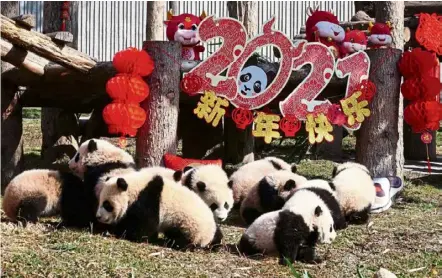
[[176, 163]]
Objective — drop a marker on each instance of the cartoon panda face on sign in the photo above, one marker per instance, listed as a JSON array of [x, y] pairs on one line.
[[252, 81]]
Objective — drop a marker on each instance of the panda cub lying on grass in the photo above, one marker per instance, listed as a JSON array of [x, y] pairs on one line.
[[142, 204], [41, 192]]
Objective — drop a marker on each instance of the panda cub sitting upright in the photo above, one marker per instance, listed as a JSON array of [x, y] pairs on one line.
[[140, 205], [269, 194], [293, 231], [210, 182], [36, 193], [355, 191]]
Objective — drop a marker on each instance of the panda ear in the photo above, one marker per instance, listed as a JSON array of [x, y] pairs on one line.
[[122, 184], [92, 146], [318, 211], [289, 185], [177, 175], [294, 168], [201, 186]]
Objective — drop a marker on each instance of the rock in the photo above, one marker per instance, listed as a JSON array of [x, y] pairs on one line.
[[362, 16], [384, 273]]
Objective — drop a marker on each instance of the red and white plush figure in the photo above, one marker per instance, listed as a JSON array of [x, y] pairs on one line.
[[380, 34], [183, 28], [355, 40], [322, 26]]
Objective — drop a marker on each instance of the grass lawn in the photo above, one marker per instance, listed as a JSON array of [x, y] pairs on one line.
[[407, 240]]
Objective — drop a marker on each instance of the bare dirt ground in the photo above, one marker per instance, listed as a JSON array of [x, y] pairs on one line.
[[407, 240]]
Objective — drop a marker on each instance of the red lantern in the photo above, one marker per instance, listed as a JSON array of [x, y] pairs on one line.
[[124, 87], [417, 63], [368, 90], [424, 88], [242, 117], [124, 118], [422, 115], [133, 61], [191, 84], [290, 125]]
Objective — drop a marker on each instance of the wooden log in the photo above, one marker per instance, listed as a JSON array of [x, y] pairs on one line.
[[44, 46], [378, 141], [12, 156], [25, 20], [60, 128], [158, 135], [22, 58], [61, 37]]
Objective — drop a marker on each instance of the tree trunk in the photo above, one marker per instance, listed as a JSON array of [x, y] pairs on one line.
[[59, 128], [158, 135], [155, 24], [379, 143], [12, 128], [239, 144]]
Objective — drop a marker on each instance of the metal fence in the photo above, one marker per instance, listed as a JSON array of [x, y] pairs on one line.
[[106, 27]]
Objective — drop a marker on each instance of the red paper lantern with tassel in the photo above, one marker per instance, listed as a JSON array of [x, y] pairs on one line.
[[124, 118], [133, 61], [421, 88], [422, 115]]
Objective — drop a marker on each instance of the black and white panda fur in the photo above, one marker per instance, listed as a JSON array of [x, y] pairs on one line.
[[140, 206], [355, 191], [43, 192], [210, 182], [251, 173], [269, 194], [293, 231]]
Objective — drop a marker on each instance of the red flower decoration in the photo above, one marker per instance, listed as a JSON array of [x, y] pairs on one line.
[[423, 88], [429, 32], [124, 87], [242, 117], [422, 115], [178, 163], [290, 125], [124, 118], [133, 61], [191, 84], [336, 116], [368, 90], [426, 137], [417, 63]]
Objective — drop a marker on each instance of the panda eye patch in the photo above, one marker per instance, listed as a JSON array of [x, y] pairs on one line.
[[226, 206], [257, 87], [245, 77], [213, 206], [107, 206]]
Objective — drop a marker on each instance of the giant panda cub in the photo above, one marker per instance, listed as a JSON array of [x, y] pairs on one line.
[[43, 192], [269, 194], [251, 173], [210, 182], [140, 206], [293, 231], [355, 191]]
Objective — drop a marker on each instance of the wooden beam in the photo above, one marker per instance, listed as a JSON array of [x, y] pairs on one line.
[[22, 58], [25, 20], [61, 37], [45, 47]]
